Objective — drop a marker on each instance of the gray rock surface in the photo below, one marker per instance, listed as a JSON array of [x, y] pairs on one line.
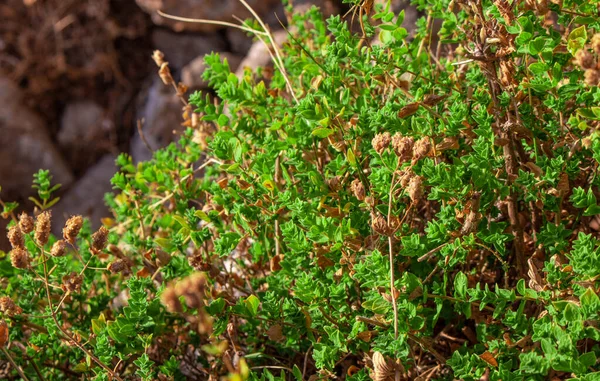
[[161, 112], [85, 133], [191, 74], [181, 48], [25, 146]]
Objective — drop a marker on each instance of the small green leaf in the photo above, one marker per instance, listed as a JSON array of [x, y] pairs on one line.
[[460, 286], [322, 132], [252, 304]]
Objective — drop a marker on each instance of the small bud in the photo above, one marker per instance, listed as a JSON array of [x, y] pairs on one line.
[[26, 223], [58, 249], [9, 307], [592, 77], [72, 228], [585, 59], [158, 57], [72, 282], [15, 236], [421, 148], [403, 146], [19, 258], [415, 188], [596, 43], [42, 227], [99, 240], [381, 141], [358, 189]]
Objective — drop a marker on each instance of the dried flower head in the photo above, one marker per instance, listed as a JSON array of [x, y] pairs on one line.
[[403, 146], [99, 240], [19, 258], [334, 183], [158, 57], [381, 141], [404, 176], [170, 299], [415, 188], [42, 227], [118, 266], [592, 77], [15, 236], [165, 73], [114, 250], [421, 148], [193, 289], [9, 307], [596, 43], [72, 228], [358, 189], [505, 10], [72, 282], [26, 223], [380, 225], [59, 248], [383, 370], [584, 59]]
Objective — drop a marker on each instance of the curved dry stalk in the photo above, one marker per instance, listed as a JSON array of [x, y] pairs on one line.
[[14, 364], [277, 58], [212, 22]]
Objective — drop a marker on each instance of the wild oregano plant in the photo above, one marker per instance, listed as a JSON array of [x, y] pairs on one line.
[[421, 206]]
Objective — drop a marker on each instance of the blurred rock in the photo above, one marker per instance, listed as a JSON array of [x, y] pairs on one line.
[[221, 10], [25, 146], [84, 134], [181, 48], [258, 55], [86, 196], [191, 74], [161, 111]]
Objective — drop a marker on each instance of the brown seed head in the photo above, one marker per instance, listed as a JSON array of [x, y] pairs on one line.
[[72, 228], [19, 258], [170, 299], [42, 227], [72, 282], [421, 148], [584, 59], [99, 240], [380, 225], [16, 238], [193, 289], [403, 146], [120, 265], [415, 188], [358, 189], [596, 43], [9, 307], [381, 141], [404, 176], [58, 249], [592, 77], [26, 223]]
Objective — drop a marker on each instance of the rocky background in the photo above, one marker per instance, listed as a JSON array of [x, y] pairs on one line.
[[76, 76]]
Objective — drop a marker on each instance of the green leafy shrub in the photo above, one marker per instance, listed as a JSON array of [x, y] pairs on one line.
[[423, 207]]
